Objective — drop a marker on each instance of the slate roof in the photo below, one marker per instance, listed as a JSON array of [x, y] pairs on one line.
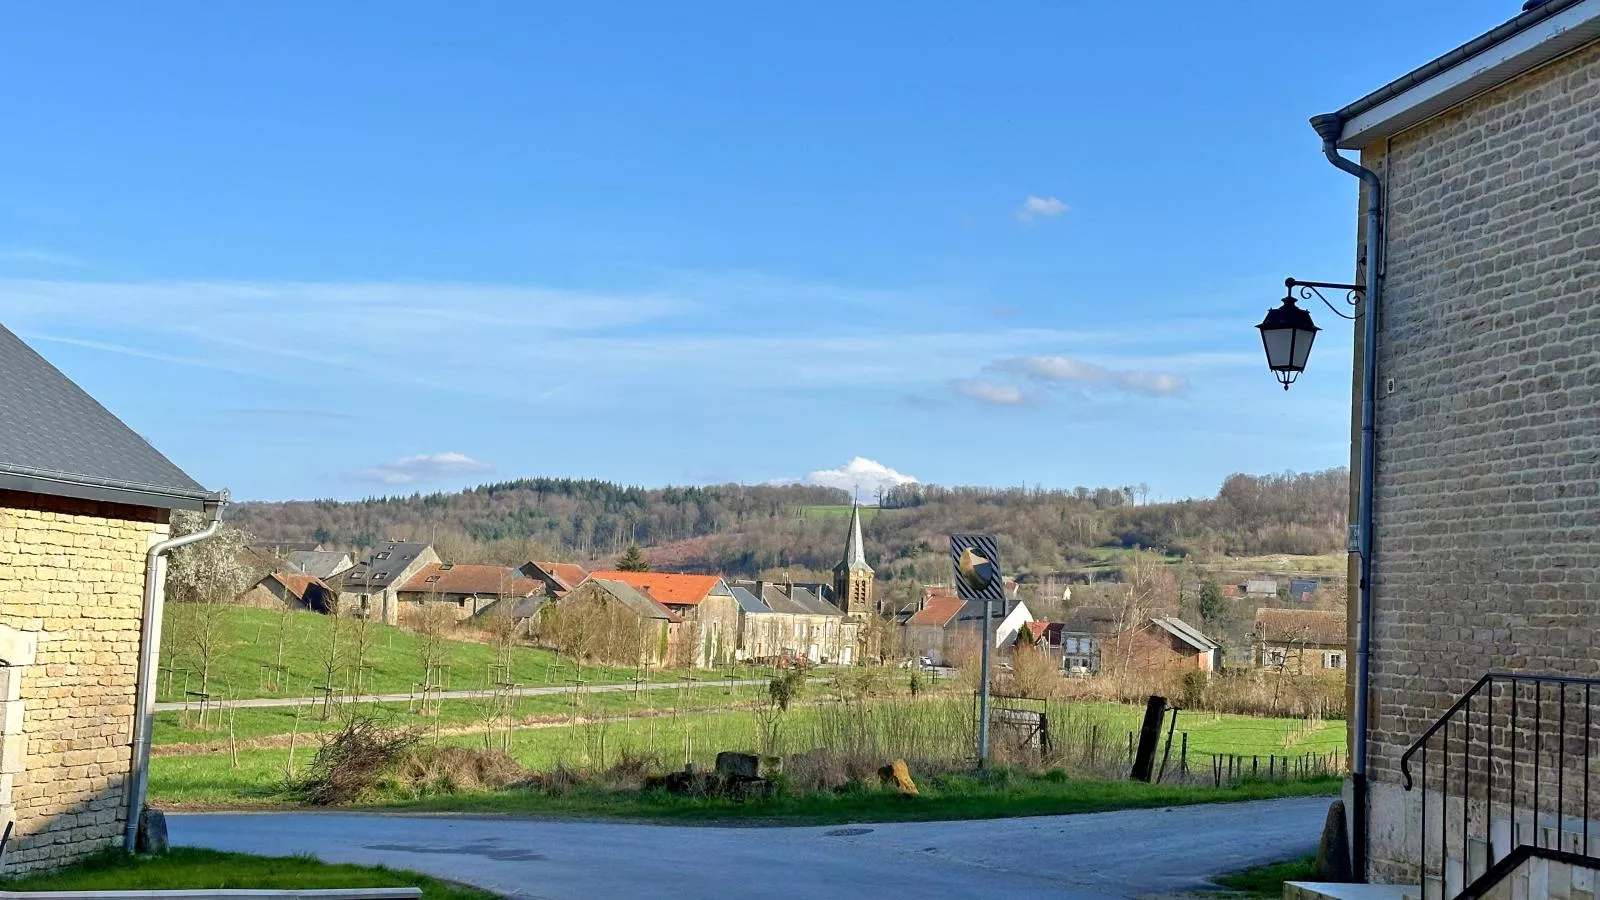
[[1313, 626], [855, 552], [1091, 620], [372, 573], [636, 600], [55, 439], [470, 578], [749, 603], [1185, 632], [321, 563], [521, 607], [792, 599], [669, 587]]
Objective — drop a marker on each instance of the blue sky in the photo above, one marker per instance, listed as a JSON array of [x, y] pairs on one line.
[[331, 250]]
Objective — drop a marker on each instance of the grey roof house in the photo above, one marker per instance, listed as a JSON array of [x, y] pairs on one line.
[[85, 505]]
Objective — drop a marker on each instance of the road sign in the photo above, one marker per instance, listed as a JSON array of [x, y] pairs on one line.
[[976, 559]]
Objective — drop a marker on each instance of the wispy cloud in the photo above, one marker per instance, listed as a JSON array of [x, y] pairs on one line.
[[994, 393], [868, 475], [1039, 207], [422, 469], [42, 257], [1067, 370]]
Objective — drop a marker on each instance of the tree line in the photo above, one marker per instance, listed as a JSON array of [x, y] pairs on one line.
[[750, 529]]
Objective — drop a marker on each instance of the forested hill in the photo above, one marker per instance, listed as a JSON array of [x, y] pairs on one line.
[[738, 529]]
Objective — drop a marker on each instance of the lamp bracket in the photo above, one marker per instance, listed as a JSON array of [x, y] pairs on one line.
[[1354, 294]]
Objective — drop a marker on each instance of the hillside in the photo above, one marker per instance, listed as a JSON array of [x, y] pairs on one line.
[[737, 529]]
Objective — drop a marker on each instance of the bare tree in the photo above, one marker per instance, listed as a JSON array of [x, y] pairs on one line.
[[203, 579], [433, 624], [333, 655]]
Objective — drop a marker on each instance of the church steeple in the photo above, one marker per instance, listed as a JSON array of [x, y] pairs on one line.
[[852, 577]]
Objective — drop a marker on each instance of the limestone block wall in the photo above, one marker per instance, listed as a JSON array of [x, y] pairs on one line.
[[1488, 469], [71, 589]]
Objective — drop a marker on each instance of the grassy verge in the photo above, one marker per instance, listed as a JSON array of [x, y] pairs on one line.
[[251, 643], [1267, 881], [190, 869], [1003, 794]]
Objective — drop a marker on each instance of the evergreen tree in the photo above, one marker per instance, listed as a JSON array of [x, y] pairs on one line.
[[632, 561], [1212, 605]]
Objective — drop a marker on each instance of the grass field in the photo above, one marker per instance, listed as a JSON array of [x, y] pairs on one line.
[[189, 869], [868, 513], [936, 729], [1266, 882], [1282, 564], [252, 640]]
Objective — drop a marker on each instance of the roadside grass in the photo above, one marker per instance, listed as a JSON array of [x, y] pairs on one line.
[[1267, 881], [249, 724], [926, 729], [185, 868], [252, 644], [1002, 793]]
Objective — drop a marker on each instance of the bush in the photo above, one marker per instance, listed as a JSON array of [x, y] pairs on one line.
[[1194, 689], [450, 770], [351, 762]]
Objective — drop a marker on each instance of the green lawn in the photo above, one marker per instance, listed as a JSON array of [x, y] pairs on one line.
[[280, 721], [252, 639], [929, 729], [868, 513], [189, 869], [1267, 881], [1003, 794]]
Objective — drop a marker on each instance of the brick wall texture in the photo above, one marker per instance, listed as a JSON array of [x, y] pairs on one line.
[[73, 572], [1488, 468]]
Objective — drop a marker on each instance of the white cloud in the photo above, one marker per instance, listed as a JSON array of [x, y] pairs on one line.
[[868, 475], [995, 393], [1066, 370], [38, 256], [1035, 207], [423, 468]]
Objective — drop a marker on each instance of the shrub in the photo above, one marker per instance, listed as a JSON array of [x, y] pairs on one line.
[[351, 762]]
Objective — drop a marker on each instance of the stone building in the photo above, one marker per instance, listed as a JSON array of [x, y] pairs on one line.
[[1486, 499], [706, 603], [788, 621], [83, 502], [1298, 641], [372, 586], [465, 589], [276, 590]]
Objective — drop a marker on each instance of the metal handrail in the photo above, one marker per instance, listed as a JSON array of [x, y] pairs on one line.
[[1405, 758]]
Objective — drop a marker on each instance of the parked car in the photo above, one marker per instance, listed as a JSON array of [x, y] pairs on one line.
[[1077, 671]]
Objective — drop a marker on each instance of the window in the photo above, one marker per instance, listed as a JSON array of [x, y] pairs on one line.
[[445, 567], [430, 579], [1333, 660], [383, 555], [1276, 656], [380, 576]]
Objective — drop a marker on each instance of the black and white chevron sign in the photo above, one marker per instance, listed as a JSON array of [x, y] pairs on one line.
[[976, 560]]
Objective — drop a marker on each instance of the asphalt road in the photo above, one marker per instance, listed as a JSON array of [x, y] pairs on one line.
[[1136, 853], [257, 702]]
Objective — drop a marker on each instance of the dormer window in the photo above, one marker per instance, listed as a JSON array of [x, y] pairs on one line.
[[383, 555]]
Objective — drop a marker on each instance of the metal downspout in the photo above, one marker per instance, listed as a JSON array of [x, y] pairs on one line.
[[145, 693], [1329, 127]]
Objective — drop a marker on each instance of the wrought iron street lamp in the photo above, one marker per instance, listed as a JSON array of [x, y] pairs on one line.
[[1287, 332]]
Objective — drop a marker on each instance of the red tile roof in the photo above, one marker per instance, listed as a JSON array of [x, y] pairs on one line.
[[666, 587], [937, 612], [298, 584], [467, 578], [570, 575], [1036, 631]]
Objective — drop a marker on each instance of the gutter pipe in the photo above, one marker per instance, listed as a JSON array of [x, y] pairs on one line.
[[149, 644], [1329, 126]]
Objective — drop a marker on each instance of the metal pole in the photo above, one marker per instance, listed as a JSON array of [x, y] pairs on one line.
[[983, 689], [1329, 127]]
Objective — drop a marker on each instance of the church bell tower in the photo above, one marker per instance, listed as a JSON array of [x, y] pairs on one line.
[[852, 577]]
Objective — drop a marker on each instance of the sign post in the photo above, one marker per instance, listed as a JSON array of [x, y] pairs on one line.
[[976, 560]]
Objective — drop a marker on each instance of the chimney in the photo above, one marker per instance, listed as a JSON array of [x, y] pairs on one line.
[[761, 591]]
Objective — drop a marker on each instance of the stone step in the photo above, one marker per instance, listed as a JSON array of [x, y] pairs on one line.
[[1318, 890]]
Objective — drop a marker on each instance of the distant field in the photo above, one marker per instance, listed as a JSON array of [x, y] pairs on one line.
[[1325, 564], [868, 513]]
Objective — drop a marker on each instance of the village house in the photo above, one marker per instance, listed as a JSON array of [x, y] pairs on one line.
[[372, 586], [788, 621], [1160, 645], [946, 626], [1479, 180], [705, 602], [557, 578], [463, 588], [84, 511], [1082, 635], [625, 622], [278, 589], [1298, 640]]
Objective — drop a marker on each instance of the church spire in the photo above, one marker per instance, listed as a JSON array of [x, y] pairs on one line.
[[855, 553]]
